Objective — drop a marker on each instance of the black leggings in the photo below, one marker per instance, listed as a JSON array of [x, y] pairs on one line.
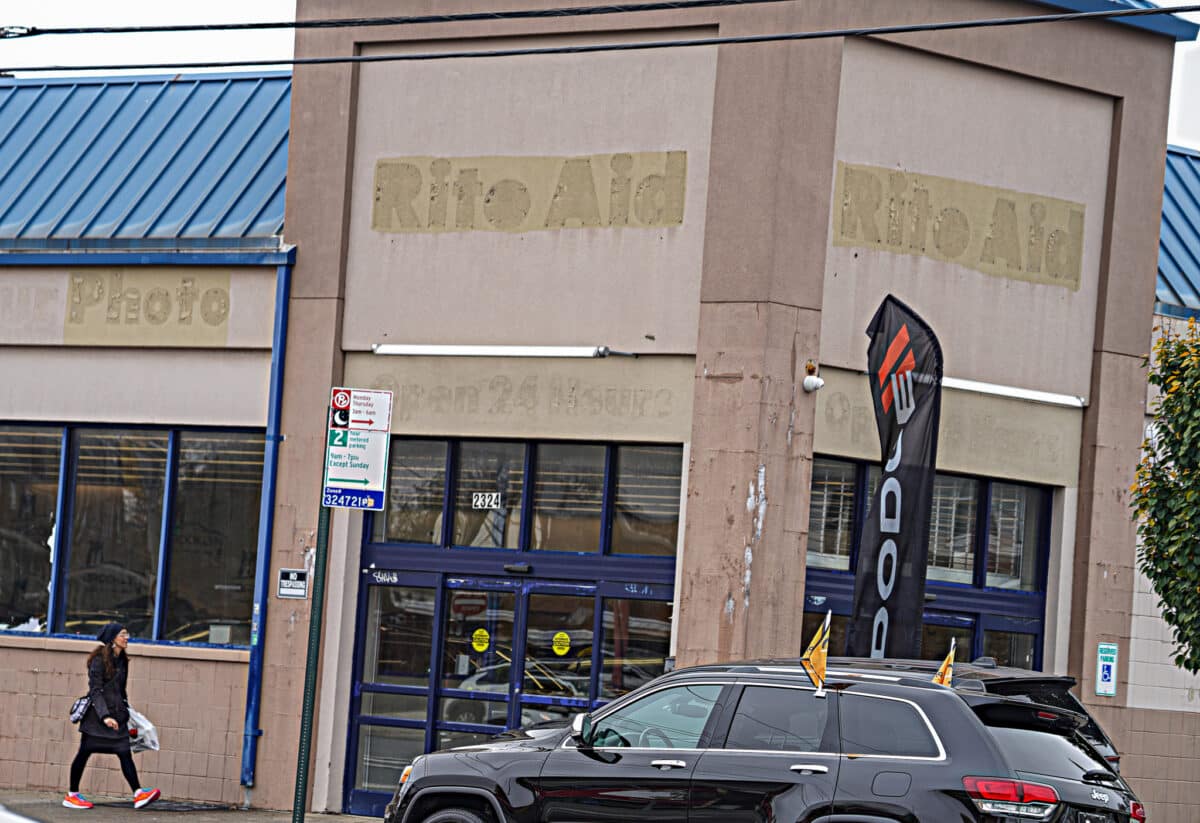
[[81, 759]]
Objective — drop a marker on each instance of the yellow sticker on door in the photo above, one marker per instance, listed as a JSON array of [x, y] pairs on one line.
[[480, 640], [562, 643]]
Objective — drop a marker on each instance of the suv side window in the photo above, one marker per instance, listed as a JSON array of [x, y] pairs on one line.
[[884, 727], [672, 718], [770, 718]]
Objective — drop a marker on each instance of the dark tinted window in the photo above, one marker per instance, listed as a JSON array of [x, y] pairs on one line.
[[568, 494], [214, 537], [784, 720], [28, 496], [416, 487], [117, 520], [646, 507], [876, 725], [1049, 694], [1047, 754]]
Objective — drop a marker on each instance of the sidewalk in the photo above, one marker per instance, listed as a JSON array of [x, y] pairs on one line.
[[47, 808]]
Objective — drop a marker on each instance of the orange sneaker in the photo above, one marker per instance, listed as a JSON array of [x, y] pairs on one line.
[[144, 797], [74, 800]]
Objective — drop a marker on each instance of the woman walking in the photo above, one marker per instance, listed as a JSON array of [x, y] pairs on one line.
[[104, 727]]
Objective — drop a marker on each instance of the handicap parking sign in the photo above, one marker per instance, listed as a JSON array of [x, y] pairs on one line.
[[1106, 669]]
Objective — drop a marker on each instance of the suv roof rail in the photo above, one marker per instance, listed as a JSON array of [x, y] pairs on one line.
[[970, 685], [984, 662]]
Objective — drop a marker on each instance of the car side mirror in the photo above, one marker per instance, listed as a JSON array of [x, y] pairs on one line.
[[581, 730]]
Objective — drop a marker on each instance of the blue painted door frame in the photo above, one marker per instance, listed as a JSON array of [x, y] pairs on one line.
[[366, 802]]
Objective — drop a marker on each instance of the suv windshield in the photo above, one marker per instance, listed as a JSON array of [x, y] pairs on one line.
[[1045, 753]]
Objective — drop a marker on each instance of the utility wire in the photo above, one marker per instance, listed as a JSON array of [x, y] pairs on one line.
[[519, 14], [635, 46], [14, 32]]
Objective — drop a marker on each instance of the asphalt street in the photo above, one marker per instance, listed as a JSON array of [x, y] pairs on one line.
[[47, 808]]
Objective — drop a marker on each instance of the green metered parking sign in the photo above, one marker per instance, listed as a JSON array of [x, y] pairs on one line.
[[356, 448]]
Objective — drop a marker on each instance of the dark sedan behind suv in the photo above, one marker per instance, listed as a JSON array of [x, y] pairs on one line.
[[755, 742]]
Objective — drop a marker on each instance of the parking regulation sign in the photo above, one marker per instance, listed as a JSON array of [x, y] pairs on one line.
[[1106, 669], [356, 449]]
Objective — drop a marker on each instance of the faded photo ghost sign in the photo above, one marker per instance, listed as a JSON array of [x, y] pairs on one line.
[[997, 231], [426, 195]]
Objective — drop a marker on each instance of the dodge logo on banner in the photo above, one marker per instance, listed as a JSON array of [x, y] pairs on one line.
[[905, 369]]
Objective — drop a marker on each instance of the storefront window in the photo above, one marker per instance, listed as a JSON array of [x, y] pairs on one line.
[[952, 530], [936, 639], [477, 655], [637, 643], [646, 509], [831, 514], [1014, 649], [399, 635], [839, 627], [383, 752], [214, 537], [1013, 536], [416, 488], [29, 460], [965, 563], [568, 498], [115, 529], [490, 485]]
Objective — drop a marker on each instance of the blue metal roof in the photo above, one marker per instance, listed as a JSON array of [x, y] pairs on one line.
[[1178, 289], [1167, 25], [179, 161]]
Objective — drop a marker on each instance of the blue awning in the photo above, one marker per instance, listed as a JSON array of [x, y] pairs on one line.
[[1167, 25], [1178, 289], [177, 161]]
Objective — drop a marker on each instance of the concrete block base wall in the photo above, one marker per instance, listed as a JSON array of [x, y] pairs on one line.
[[195, 697], [1160, 751]]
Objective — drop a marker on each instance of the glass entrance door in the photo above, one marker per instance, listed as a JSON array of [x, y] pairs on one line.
[[447, 661]]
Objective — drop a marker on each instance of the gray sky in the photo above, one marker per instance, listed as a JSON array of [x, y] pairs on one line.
[[1184, 126]]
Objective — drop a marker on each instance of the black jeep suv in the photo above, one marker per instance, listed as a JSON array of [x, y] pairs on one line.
[[756, 743]]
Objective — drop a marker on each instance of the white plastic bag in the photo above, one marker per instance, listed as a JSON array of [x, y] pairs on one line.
[[142, 734]]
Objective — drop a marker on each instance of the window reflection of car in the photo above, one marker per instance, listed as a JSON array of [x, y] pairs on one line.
[[106, 592], [539, 680]]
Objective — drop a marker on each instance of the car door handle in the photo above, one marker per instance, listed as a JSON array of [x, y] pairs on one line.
[[810, 768], [668, 764]]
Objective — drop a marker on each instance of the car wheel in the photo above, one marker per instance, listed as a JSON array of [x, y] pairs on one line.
[[455, 816]]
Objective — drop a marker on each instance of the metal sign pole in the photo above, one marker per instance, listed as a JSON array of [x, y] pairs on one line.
[[310, 668]]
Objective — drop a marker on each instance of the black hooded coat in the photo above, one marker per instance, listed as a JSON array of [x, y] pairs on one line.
[[108, 700]]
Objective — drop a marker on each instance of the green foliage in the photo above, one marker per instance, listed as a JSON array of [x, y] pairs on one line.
[[1166, 493]]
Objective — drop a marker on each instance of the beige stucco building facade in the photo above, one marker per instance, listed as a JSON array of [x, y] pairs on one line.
[[722, 219], [1000, 184]]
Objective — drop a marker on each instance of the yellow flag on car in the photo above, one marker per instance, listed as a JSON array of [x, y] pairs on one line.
[[945, 672], [814, 658]]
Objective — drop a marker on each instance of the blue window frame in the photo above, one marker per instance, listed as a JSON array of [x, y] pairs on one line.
[[507, 582], [555, 509], [153, 527], [988, 561]]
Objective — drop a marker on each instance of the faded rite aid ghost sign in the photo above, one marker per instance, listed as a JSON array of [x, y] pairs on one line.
[[519, 194], [996, 231], [147, 307]]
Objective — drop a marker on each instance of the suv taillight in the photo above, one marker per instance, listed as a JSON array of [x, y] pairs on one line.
[[1015, 798], [1137, 812]]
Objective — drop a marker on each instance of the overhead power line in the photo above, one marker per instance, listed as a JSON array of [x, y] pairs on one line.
[[360, 22], [864, 31]]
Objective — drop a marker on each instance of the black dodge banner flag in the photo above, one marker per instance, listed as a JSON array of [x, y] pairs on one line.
[[905, 369]]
